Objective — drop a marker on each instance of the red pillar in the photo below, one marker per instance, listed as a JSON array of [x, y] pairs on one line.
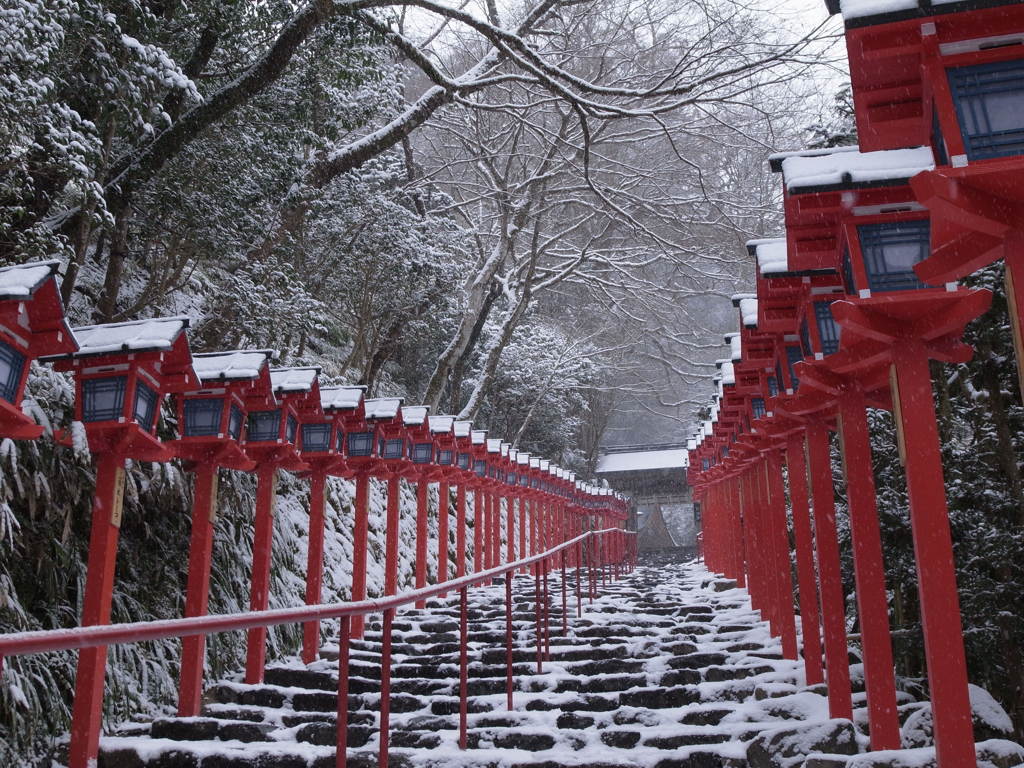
[[869, 572], [391, 537], [460, 530], [933, 553], [523, 524], [87, 711], [833, 610], [479, 500], [780, 539], [422, 487], [736, 528], [259, 596], [443, 503], [197, 592], [510, 524], [314, 564], [359, 548], [809, 618]]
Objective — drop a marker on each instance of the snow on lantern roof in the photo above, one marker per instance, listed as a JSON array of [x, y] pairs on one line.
[[735, 346], [20, 281], [154, 335], [728, 373], [494, 445], [748, 312], [415, 415], [771, 254], [479, 436], [545, 465], [383, 407], [523, 458], [864, 12], [691, 445], [229, 366], [639, 461], [343, 398], [441, 425], [505, 448], [848, 167], [535, 462], [283, 380], [513, 455], [462, 428]]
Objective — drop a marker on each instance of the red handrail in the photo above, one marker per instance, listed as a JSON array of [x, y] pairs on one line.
[[42, 641], [22, 643]]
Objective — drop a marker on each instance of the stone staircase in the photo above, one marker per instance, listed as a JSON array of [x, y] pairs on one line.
[[667, 668]]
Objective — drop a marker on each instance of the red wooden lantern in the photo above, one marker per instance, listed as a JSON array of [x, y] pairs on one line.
[[271, 435], [446, 472], [211, 420], [423, 454], [321, 447], [32, 325], [394, 462], [893, 324], [462, 432], [122, 373]]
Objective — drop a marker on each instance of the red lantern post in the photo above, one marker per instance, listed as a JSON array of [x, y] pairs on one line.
[[122, 373], [211, 420]]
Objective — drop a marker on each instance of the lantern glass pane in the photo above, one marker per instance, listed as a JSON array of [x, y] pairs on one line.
[[316, 437], [847, 269], [202, 416], [360, 443], [793, 355], [480, 467], [264, 426], [464, 461], [757, 407], [422, 453], [235, 421], [145, 405], [705, 464], [103, 399], [805, 338], [890, 252], [989, 101], [445, 457], [12, 363], [393, 448], [828, 328], [291, 429], [773, 386]]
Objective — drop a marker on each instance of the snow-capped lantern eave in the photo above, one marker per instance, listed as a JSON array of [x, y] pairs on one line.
[[32, 325]]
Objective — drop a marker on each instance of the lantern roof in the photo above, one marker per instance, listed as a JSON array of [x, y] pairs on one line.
[[234, 365], [342, 398], [848, 168], [157, 334], [505, 448], [728, 373], [771, 255], [494, 445], [288, 380], [383, 407], [513, 455], [866, 12], [442, 425], [415, 415], [545, 464], [747, 303], [479, 436], [21, 281], [462, 428], [735, 346], [524, 459]]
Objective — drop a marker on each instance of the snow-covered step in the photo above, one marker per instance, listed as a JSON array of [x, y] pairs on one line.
[[667, 668]]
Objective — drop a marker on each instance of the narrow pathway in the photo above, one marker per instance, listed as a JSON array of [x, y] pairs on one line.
[[668, 668]]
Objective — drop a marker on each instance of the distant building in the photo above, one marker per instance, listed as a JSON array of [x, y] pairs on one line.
[[654, 477]]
